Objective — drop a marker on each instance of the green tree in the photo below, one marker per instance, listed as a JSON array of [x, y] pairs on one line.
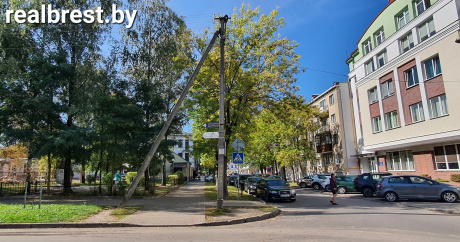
[[260, 67]]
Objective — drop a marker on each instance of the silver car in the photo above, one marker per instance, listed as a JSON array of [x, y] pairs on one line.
[[393, 188]]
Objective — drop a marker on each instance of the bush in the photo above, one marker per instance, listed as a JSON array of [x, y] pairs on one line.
[[173, 179], [441, 180], [455, 177], [130, 178], [91, 179], [180, 176], [424, 175]]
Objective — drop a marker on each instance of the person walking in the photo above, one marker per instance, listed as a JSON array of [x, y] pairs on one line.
[[333, 187], [117, 178]]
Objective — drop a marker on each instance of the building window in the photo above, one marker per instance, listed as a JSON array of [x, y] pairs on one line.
[[379, 37], [426, 30], [372, 93], [406, 43], [381, 59], [331, 99], [416, 112], [327, 159], [391, 120], [420, 6], [322, 105], [337, 159], [447, 157], [431, 68], [367, 46], [179, 144], [400, 161], [411, 77], [187, 144], [438, 106], [369, 67], [187, 157], [403, 18], [333, 119], [387, 89], [376, 124], [335, 139]]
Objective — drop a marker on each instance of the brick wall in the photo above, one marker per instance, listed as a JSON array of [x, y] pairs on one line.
[[409, 95], [434, 87], [374, 110]]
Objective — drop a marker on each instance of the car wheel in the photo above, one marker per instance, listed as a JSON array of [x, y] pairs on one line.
[[266, 198], [449, 197], [368, 192], [316, 186], [341, 190], [303, 185], [391, 196]]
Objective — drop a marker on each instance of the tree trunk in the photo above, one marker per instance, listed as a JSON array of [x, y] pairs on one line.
[[163, 179], [147, 179], [83, 171], [48, 185]]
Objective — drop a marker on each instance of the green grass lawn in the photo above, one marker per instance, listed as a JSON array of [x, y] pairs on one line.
[[210, 193], [49, 213]]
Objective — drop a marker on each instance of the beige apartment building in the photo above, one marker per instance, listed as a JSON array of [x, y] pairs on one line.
[[405, 84], [334, 141]]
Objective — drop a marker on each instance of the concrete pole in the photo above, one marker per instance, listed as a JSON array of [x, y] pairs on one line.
[[221, 144]]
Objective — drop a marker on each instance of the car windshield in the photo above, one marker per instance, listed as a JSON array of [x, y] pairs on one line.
[[253, 179], [276, 183]]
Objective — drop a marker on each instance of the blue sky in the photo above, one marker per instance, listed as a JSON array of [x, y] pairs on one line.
[[327, 31]]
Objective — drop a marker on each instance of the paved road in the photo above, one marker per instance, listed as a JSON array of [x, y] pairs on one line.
[[310, 218]]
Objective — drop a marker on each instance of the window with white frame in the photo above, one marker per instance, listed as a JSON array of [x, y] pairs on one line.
[[403, 18], [333, 119], [376, 124], [406, 43], [411, 77], [391, 120], [367, 46], [322, 104], [372, 93], [379, 37], [438, 106], [426, 30], [400, 161], [381, 59], [179, 143], [420, 6], [369, 66], [416, 112], [387, 88], [337, 159], [327, 159], [331, 100], [431, 68], [447, 157]]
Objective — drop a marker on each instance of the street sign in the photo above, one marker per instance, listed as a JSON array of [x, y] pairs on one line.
[[211, 125], [238, 145], [238, 158], [211, 135]]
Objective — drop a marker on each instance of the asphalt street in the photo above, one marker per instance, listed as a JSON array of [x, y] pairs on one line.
[[310, 218]]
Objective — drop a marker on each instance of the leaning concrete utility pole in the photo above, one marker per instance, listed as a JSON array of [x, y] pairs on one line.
[[171, 116], [221, 144]]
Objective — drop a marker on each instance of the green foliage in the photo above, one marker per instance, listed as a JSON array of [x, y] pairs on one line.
[[180, 176], [130, 178], [455, 177], [91, 179], [424, 175], [441, 180], [173, 180], [49, 213]]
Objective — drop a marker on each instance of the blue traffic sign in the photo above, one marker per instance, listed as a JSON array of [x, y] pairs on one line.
[[211, 125], [238, 158]]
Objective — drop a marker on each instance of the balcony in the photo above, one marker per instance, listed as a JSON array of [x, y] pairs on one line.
[[323, 148], [323, 142]]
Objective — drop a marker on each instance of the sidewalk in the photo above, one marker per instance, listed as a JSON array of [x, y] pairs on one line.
[[184, 206]]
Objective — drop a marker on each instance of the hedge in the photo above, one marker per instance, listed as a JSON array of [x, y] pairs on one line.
[[455, 177]]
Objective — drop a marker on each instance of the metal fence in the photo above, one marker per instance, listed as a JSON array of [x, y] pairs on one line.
[[14, 183]]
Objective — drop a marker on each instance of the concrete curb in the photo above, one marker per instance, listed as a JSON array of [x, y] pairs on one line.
[[272, 214]]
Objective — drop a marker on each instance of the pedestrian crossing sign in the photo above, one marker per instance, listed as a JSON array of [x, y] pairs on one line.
[[238, 158]]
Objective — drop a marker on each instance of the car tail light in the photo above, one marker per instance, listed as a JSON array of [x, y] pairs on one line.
[[380, 186]]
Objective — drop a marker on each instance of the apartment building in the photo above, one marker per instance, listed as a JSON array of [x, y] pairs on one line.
[[183, 160], [404, 79], [334, 141]]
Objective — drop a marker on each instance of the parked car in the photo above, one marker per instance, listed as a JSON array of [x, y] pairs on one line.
[[251, 184], [305, 181], [393, 188], [232, 180], [345, 184], [319, 180], [275, 189], [274, 177], [242, 179], [366, 183], [209, 178]]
